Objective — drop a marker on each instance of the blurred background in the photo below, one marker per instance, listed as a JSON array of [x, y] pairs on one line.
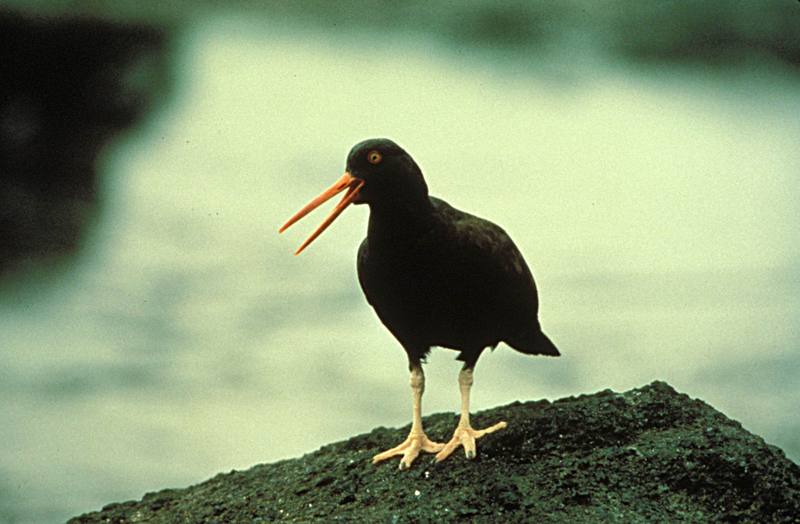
[[155, 329]]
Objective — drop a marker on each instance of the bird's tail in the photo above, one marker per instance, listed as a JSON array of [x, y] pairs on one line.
[[536, 343]]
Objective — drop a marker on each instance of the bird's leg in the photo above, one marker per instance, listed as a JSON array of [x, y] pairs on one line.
[[464, 435], [417, 439]]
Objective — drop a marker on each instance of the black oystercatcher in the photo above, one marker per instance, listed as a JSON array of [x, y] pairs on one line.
[[436, 276]]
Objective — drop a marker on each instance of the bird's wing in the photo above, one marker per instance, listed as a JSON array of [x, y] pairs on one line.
[[494, 245], [486, 251], [479, 239]]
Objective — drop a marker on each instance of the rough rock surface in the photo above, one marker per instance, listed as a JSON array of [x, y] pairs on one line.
[[646, 455]]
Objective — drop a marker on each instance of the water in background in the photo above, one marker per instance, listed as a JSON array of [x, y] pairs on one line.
[[658, 212]]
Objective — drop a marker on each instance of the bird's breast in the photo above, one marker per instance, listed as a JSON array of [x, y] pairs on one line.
[[423, 296]]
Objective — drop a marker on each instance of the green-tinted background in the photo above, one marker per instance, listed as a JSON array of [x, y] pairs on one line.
[[643, 155]]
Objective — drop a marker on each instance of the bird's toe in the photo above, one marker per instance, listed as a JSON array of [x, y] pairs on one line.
[[409, 449], [468, 441], [466, 436]]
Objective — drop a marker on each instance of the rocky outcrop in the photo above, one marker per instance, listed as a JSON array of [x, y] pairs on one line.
[[646, 455]]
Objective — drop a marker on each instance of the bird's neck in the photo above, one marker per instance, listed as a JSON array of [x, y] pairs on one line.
[[398, 224]]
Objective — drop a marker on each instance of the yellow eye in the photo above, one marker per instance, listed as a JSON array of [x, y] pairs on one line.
[[374, 157]]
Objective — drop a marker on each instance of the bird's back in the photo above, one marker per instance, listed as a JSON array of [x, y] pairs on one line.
[[461, 283]]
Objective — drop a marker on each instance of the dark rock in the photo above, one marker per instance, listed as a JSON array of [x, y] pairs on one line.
[[69, 87], [647, 455]]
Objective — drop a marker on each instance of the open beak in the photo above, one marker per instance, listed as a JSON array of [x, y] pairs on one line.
[[349, 182]]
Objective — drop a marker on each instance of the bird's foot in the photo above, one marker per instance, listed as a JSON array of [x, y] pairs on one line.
[[465, 436], [410, 448]]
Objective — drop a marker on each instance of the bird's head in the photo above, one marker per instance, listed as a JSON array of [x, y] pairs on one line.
[[378, 172]]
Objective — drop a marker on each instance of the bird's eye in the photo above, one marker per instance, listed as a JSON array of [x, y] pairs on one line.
[[374, 157]]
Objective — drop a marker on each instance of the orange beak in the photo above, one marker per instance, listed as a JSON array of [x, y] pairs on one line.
[[349, 182]]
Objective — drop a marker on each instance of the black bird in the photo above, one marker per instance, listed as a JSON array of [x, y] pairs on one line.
[[436, 276]]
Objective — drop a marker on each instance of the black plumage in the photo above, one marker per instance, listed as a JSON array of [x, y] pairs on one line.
[[452, 280], [436, 276]]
